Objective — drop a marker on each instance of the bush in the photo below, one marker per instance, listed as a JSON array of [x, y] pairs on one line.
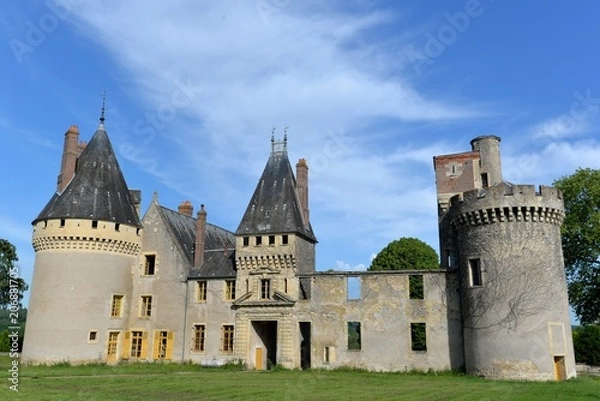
[[586, 341]]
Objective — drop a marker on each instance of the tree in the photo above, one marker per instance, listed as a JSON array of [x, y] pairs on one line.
[[586, 341], [12, 286], [406, 254], [581, 241]]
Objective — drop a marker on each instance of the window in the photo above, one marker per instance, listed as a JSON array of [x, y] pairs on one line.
[[146, 306], [415, 287], [258, 240], [163, 344], [227, 339], [113, 342], [354, 336], [136, 344], [93, 336], [201, 291], [484, 180], [475, 276], [198, 338], [117, 226], [116, 308], [418, 337], [353, 285], [150, 265], [62, 222], [246, 241], [265, 288], [285, 285], [94, 224], [327, 354], [271, 240], [230, 290], [284, 239]]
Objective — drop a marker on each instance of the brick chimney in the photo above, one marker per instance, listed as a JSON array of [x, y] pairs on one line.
[[71, 152], [302, 189], [186, 208], [200, 236]]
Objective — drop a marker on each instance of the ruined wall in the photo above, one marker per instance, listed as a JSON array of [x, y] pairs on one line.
[[516, 311]]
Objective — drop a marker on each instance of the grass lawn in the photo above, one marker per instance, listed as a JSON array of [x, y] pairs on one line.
[[150, 382]]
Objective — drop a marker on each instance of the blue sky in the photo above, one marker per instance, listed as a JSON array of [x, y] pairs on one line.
[[370, 91]]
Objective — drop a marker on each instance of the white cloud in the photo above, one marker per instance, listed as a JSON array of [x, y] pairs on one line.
[[560, 127]]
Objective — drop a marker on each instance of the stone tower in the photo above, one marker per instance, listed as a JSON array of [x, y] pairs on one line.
[[275, 245], [505, 242], [86, 241]]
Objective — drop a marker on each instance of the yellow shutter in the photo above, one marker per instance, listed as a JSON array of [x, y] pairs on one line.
[[156, 344], [169, 345], [125, 347], [144, 353]]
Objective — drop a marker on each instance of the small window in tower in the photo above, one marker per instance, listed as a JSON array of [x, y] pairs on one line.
[[265, 289], [415, 287], [246, 241], [93, 336], [117, 226], [94, 223], [475, 274], [418, 337], [45, 223], [150, 265], [484, 180], [116, 307], [284, 239], [258, 240], [271, 240], [285, 285], [62, 222]]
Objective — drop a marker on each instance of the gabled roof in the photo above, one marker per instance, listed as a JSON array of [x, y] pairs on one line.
[[274, 206], [97, 191]]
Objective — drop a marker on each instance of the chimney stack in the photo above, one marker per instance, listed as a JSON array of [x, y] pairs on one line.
[[302, 188], [70, 154], [186, 208], [200, 236]]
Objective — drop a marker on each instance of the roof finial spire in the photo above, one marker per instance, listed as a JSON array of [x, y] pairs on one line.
[[103, 108], [273, 140]]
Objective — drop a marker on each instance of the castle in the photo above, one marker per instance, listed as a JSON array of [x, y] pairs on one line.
[[111, 287]]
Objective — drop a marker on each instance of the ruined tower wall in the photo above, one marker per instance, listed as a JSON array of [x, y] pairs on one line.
[[516, 322]]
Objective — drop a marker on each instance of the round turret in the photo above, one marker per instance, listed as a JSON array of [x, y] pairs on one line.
[[516, 322]]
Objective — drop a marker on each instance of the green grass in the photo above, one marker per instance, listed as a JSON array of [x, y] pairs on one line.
[[150, 382]]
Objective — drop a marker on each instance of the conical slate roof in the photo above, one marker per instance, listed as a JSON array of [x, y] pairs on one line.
[[97, 191], [274, 206]]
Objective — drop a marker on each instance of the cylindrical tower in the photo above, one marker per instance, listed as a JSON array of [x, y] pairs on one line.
[[490, 167], [86, 241], [516, 322]]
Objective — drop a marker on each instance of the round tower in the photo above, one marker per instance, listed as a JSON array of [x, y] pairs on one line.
[[86, 241], [516, 322], [490, 167]]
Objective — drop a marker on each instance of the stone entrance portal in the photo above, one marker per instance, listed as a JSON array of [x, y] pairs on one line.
[[264, 344]]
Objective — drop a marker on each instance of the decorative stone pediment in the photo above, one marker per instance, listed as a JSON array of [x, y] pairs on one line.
[[278, 299]]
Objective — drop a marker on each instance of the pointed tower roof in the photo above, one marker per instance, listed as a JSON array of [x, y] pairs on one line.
[[98, 190], [274, 206]]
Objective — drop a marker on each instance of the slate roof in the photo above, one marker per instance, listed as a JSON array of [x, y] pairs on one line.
[[274, 206], [97, 191], [219, 245]]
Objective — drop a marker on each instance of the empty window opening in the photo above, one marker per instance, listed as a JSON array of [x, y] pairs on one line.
[[198, 338], [62, 222], [117, 226], [328, 354], [271, 240], [353, 289], [415, 287], [484, 180], [284, 239], [116, 307], [146, 306], [258, 240], [265, 289], [418, 337], [230, 290], [201, 291], [285, 285], [354, 336], [150, 265], [246, 241], [94, 223], [227, 339], [475, 276], [93, 336]]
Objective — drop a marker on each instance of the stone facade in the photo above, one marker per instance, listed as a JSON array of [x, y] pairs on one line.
[[176, 288]]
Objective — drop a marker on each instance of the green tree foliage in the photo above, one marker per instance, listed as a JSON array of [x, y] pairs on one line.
[[406, 254], [12, 286], [581, 241], [586, 341]]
